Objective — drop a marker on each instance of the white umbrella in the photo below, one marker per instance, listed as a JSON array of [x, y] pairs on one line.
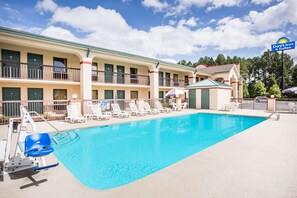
[[176, 92], [290, 90]]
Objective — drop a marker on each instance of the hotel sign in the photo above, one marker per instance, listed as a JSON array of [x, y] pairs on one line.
[[283, 43]]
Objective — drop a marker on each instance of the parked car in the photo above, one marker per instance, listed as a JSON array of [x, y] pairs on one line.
[[261, 99]]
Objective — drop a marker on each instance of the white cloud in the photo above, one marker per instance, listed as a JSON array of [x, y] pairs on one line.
[[184, 5], [172, 22], [46, 6], [275, 17], [157, 5], [262, 2], [108, 29]]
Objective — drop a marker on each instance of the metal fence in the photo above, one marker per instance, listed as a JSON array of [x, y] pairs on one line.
[[282, 104]]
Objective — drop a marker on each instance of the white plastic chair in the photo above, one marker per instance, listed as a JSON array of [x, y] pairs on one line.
[[97, 113], [232, 106], [116, 111], [73, 115], [292, 107]]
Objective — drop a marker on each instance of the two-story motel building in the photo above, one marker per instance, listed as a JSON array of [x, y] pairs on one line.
[[35, 67]]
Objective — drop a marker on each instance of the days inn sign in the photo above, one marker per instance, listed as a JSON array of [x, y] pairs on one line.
[[283, 43]]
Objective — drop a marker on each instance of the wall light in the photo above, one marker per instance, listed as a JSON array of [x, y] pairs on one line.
[[157, 65], [74, 96]]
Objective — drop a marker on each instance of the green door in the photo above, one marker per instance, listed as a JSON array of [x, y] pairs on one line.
[[108, 73], [11, 101], [205, 99], [35, 94], [167, 79], [120, 74], [108, 94], [35, 66], [10, 64], [121, 98], [161, 79], [192, 98], [161, 94]]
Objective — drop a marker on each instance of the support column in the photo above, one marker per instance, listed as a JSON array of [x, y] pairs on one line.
[[192, 79], [234, 89], [154, 85], [86, 84], [240, 89]]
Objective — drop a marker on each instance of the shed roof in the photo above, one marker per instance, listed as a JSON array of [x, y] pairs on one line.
[[208, 83]]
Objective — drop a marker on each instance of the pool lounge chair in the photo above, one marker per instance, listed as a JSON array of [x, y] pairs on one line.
[[117, 112], [148, 109], [161, 108], [135, 110], [73, 115], [232, 106], [97, 113]]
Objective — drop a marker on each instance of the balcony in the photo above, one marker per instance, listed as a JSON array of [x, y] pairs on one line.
[[14, 70], [169, 82], [120, 78]]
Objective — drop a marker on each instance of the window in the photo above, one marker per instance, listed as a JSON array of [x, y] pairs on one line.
[[197, 79], [175, 79], [108, 94], [186, 80], [60, 94], [95, 71], [134, 95], [161, 94], [167, 79], [161, 80], [201, 79], [149, 95], [60, 68], [133, 75], [94, 94]]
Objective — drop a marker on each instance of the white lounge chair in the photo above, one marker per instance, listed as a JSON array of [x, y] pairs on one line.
[[161, 108], [148, 109], [97, 113], [176, 107], [292, 107], [232, 106], [117, 112], [135, 110], [73, 115]]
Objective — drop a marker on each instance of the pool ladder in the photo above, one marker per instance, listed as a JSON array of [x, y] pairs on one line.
[[276, 114]]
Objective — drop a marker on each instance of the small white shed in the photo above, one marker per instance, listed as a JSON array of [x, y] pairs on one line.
[[209, 94]]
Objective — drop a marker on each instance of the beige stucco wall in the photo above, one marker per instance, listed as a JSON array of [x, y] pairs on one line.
[[72, 60], [218, 98], [198, 98], [47, 89]]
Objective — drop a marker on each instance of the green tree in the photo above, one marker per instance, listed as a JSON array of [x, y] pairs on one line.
[[251, 89], [246, 93], [294, 76], [182, 62], [271, 81], [275, 90], [260, 89], [220, 60]]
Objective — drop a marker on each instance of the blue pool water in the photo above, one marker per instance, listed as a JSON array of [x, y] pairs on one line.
[[111, 156]]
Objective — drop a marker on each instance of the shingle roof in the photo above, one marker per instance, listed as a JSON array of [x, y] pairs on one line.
[[207, 83], [217, 69]]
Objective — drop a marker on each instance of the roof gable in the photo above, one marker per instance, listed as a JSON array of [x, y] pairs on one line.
[[208, 83]]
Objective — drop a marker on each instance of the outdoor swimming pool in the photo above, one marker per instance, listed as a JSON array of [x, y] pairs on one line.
[[111, 156]]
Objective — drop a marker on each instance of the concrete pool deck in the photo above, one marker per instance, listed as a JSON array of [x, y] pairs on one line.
[[259, 162]]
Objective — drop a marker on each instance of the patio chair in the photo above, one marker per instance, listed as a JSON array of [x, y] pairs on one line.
[[73, 115], [148, 109], [184, 105], [176, 107], [135, 110], [117, 112], [98, 114], [232, 106], [161, 108], [292, 107]]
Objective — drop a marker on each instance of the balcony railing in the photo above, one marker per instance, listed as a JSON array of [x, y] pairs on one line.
[[15, 70], [119, 78], [169, 82]]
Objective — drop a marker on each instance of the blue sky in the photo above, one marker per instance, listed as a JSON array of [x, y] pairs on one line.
[[166, 29]]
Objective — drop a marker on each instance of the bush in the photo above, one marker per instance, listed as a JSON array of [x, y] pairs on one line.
[[260, 89], [275, 90]]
